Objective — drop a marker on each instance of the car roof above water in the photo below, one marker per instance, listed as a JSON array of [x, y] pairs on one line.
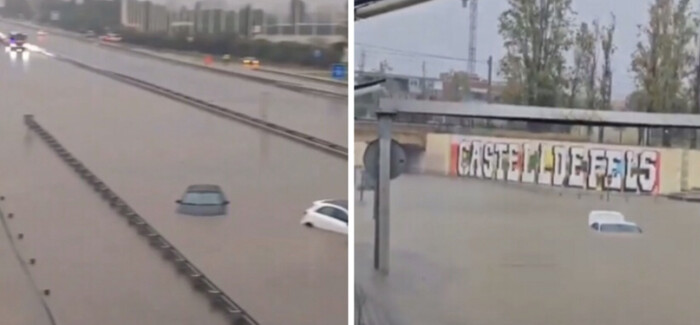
[[203, 188], [606, 217], [337, 202]]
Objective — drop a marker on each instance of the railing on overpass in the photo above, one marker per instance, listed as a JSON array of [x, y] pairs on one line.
[[609, 127], [370, 8]]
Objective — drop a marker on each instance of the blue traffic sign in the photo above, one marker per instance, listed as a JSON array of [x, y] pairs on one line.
[[339, 71]]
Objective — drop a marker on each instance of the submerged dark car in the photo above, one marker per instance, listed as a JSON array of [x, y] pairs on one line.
[[203, 200]]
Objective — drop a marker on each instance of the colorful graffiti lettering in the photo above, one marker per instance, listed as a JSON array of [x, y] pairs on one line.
[[558, 164]]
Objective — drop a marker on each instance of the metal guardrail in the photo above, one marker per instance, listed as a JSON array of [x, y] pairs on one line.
[[251, 77], [306, 139], [198, 279]]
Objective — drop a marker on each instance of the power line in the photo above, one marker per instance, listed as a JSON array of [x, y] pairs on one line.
[[414, 53]]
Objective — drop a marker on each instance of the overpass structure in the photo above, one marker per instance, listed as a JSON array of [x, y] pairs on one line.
[[149, 129]]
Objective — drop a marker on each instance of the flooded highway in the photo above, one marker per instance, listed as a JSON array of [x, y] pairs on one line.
[[319, 116], [149, 149], [479, 252]]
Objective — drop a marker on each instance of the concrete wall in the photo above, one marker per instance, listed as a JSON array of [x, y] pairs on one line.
[[671, 170], [359, 152], [438, 154], [643, 170], [567, 164], [693, 166]]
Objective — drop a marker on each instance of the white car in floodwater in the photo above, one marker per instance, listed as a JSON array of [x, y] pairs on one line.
[[611, 222], [329, 215]]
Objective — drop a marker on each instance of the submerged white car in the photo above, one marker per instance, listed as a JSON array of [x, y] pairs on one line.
[[329, 215], [611, 222]]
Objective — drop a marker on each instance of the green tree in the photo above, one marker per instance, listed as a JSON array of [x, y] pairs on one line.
[[606, 43], [636, 101], [663, 62], [536, 35], [583, 54]]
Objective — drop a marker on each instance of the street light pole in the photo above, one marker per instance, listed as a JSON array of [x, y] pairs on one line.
[[383, 192]]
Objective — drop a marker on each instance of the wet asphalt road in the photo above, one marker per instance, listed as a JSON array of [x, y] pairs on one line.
[[149, 149], [479, 252], [319, 116]]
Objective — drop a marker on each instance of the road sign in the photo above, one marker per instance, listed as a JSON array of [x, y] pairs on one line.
[[397, 164], [339, 71]]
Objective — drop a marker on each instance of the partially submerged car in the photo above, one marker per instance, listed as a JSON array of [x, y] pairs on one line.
[[203, 200], [611, 222], [329, 215]]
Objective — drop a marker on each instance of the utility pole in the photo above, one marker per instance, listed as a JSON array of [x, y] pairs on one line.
[[473, 26], [696, 88], [362, 61], [489, 94], [424, 82]]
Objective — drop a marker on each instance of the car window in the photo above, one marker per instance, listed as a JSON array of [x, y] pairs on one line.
[[340, 215], [619, 228], [203, 198], [334, 213]]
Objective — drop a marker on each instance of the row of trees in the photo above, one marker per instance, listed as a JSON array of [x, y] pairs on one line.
[[551, 60], [538, 36], [282, 52]]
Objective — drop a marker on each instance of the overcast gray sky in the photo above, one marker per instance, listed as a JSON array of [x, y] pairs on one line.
[[440, 27]]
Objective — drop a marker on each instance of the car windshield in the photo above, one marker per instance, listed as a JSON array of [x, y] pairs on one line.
[[619, 228], [19, 37], [203, 198]]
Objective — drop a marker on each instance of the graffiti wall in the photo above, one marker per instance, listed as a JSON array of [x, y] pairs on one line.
[[577, 165]]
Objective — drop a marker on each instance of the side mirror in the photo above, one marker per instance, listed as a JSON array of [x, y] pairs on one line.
[[178, 201]]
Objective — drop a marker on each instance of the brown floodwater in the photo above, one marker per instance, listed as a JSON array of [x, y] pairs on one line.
[[149, 149], [480, 252]]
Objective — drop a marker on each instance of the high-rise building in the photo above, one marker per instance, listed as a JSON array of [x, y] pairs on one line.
[[156, 18], [297, 12], [258, 20], [245, 21], [231, 22]]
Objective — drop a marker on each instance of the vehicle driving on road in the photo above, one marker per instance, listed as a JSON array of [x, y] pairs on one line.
[[111, 38], [203, 200], [16, 42], [251, 62], [329, 215]]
